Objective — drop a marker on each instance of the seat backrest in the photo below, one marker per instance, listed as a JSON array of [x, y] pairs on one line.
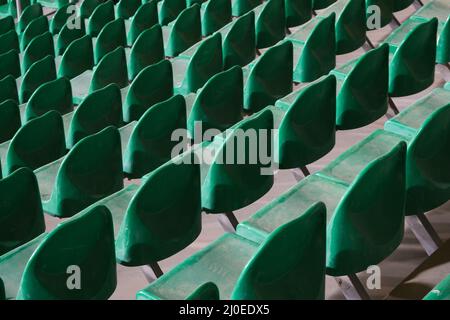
[[363, 97], [102, 14], [241, 7], [169, 10], [204, 63], [78, 254], [270, 24], [40, 72], [150, 144], [318, 55], [60, 18], [370, 216], [401, 4], [87, 7], [443, 45], [91, 171], [21, 215], [239, 45], [38, 142], [219, 103], [29, 14], [110, 37], [147, 50], [36, 27], [112, 68], [235, 177], [145, 18], [127, 8], [152, 85], [186, 30], [67, 35], [8, 89], [53, 95], [9, 119], [417, 51], [40, 47], [207, 291], [78, 58], [428, 180], [216, 14], [290, 263], [307, 130], [163, 217], [8, 41], [10, 64], [7, 24], [270, 78], [351, 26], [100, 109], [297, 12]]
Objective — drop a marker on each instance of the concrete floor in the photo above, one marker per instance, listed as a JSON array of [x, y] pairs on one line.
[[393, 270]]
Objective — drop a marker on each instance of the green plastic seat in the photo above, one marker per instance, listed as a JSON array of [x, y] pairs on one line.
[[102, 14], [100, 109], [270, 23], [102, 75], [7, 24], [67, 35], [214, 15], [145, 18], [413, 56], [55, 4], [402, 4], [87, 7], [350, 24], [290, 264], [59, 19], [218, 105], [147, 50], [441, 291], [36, 27], [125, 9], [241, 7], [363, 89], [239, 41], [314, 49], [77, 58], [53, 95], [297, 12], [190, 74], [8, 41], [90, 171], [12, 265], [321, 4], [40, 47], [38, 142], [150, 144], [8, 89], [425, 125], [207, 291], [385, 7], [40, 72], [169, 10], [269, 78], [84, 243], [365, 217], [307, 128], [152, 85], [112, 36], [436, 8], [9, 119], [21, 214], [28, 15], [182, 33], [230, 186], [10, 64]]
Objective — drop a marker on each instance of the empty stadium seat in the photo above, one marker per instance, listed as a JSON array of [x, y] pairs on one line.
[[169, 10], [28, 15], [10, 64], [38, 48], [244, 263], [125, 9], [91, 171], [76, 59], [241, 7], [21, 215], [87, 7], [145, 17], [60, 18], [67, 35], [314, 49], [297, 12], [101, 15], [8, 89], [40, 72], [9, 119], [36, 27], [110, 37], [270, 23], [6, 24], [8, 41], [214, 15]]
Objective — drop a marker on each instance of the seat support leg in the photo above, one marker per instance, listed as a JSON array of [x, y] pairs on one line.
[[228, 221], [393, 106], [296, 173], [424, 232], [397, 22], [152, 271], [418, 4], [352, 289], [370, 43]]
